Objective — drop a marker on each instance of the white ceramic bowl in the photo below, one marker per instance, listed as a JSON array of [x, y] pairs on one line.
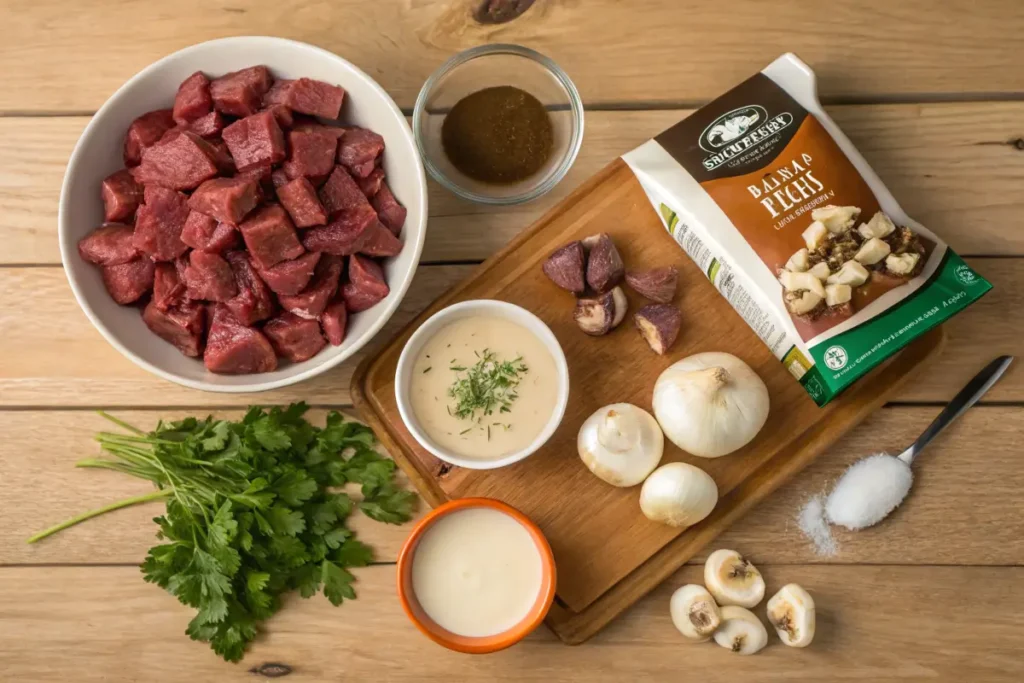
[[98, 154], [467, 309]]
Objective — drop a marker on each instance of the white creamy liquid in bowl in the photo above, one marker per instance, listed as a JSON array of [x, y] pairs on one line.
[[477, 572], [461, 344]]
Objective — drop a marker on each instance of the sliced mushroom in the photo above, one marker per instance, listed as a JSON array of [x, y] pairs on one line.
[[837, 219], [796, 282], [799, 262], [850, 273], [872, 251], [803, 302], [815, 235], [879, 226], [837, 294], [902, 264], [820, 271]]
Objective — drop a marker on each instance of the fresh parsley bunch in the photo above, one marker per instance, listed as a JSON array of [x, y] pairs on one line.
[[251, 513]]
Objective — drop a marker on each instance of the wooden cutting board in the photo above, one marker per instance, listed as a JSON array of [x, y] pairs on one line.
[[607, 553]]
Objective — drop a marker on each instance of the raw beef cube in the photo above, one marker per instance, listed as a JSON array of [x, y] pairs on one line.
[[222, 157], [180, 163], [306, 123], [235, 349], [159, 222], [294, 338], [283, 115], [240, 93], [291, 277], [270, 236], [145, 132], [310, 152], [126, 282], [311, 302], [299, 198], [193, 98], [344, 235], [121, 196], [370, 185], [180, 325], [109, 245], [203, 232], [209, 277], [308, 96], [340, 192], [264, 187], [208, 125], [391, 213], [226, 199], [168, 289], [334, 320], [279, 177], [359, 150], [380, 242], [256, 140], [366, 285], [254, 301]]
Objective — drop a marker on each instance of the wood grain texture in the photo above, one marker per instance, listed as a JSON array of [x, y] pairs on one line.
[[667, 52], [874, 624], [50, 355], [948, 164], [973, 468], [608, 554]]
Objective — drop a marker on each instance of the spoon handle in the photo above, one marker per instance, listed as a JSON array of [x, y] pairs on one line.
[[967, 397]]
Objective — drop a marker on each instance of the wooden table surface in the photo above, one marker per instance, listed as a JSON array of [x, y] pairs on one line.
[[932, 93]]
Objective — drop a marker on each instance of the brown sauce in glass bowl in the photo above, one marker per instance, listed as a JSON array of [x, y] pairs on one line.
[[500, 135]]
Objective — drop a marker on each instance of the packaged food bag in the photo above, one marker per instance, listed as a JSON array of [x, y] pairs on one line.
[[785, 217]]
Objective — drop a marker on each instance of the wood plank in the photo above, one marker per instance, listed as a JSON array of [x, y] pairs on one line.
[[669, 52], [50, 355], [877, 624], [956, 515], [927, 153]]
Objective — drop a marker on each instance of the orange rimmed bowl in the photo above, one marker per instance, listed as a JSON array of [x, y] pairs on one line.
[[472, 644]]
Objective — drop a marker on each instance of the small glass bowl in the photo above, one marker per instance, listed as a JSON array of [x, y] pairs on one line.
[[488, 66]]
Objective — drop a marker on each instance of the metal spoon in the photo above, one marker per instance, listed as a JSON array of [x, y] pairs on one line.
[[967, 397]]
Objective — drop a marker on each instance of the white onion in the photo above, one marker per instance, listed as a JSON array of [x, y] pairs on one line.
[[678, 494]]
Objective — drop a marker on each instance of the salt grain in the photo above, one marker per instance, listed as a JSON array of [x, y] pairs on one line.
[[868, 491], [814, 525]]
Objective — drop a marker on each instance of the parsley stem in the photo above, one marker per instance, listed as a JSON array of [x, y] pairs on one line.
[[127, 502]]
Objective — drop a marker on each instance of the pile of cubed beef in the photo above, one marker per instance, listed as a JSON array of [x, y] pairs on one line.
[[248, 224]]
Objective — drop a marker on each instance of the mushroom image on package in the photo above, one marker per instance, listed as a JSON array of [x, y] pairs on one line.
[[787, 220]]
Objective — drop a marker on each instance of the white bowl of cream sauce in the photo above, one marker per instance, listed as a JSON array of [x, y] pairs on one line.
[[482, 384]]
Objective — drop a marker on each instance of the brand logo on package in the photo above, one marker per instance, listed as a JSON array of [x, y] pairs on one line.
[[733, 133], [965, 275], [836, 358]]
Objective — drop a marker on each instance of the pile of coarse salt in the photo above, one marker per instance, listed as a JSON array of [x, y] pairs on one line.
[[867, 492]]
